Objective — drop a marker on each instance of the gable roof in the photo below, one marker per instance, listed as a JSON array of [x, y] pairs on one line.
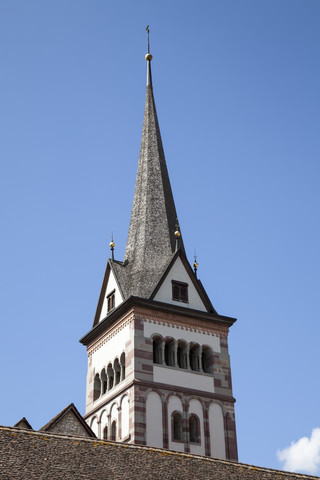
[[70, 409], [23, 423], [43, 456]]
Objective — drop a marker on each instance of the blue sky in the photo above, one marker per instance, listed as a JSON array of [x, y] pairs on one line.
[[236, 86]]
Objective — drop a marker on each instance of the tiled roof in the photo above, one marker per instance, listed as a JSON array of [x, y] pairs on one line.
[[43, 456]]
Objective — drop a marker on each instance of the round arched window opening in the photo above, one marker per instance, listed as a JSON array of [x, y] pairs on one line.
[[114, 430], [207, 360], [177, 426], [96, 387], [194, 429], [157, 350]]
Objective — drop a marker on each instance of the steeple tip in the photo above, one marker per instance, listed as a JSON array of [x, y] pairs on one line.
[[148, 57]]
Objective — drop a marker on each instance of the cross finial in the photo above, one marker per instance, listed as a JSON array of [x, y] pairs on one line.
[[147, 29], [177, 234], [195, 263], [112, 245], [148, 56]]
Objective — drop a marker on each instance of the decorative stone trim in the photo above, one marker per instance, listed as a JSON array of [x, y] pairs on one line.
[[183, 323]]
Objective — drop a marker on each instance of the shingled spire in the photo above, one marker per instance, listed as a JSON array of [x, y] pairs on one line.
[[151, 239]]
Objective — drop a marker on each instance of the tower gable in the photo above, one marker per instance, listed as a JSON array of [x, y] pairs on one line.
[[111, 295], [179, 286]]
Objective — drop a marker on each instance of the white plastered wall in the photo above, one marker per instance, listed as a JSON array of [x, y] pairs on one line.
[[111, 350], [196, 408], [179, 273], [94, 426], [125, 417], [174, 404], [111, 285], [182, 378], [216, 427], [154, 427]]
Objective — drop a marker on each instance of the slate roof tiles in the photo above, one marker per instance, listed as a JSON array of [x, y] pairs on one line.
[[42, 456]]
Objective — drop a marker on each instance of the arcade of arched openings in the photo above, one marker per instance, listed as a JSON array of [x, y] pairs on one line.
[[181, 354], [109, 377], [112, 421]]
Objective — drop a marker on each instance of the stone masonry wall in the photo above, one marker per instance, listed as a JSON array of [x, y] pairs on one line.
[[69, 425]]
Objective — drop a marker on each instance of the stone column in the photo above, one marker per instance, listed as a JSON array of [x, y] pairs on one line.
[[165, 424], [109, 426], [200, 359], [162, 353], [175, 354], [119, 434], [101, 386], [206, 431], [187, 362], [185, 427], [122, 372]]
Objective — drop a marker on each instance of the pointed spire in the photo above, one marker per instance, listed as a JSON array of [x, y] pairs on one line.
[[151, 239]]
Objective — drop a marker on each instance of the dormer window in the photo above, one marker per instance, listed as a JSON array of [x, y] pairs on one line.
[[110, 300], [179, 291]]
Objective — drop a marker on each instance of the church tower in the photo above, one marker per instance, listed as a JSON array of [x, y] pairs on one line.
[[158, 362]]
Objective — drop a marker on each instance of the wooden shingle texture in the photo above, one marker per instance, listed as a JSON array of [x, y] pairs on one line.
[[26, 454]]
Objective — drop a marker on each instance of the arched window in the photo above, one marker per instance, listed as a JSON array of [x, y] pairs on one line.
[[207, 360], [169, 352], [110, 375], [194, 357], [122, 366], [96, 387], [105, 433], [116, 368], [104, 381], [194, 429], [177, 426], [114, 430], [182, 354], [157, 353]]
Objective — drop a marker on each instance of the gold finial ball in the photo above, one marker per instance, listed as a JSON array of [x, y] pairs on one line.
[[112, 244], [177, 234], [195, 265], [148, 57]]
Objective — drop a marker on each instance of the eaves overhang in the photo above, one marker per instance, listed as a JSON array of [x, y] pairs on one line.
[[132, 302]]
